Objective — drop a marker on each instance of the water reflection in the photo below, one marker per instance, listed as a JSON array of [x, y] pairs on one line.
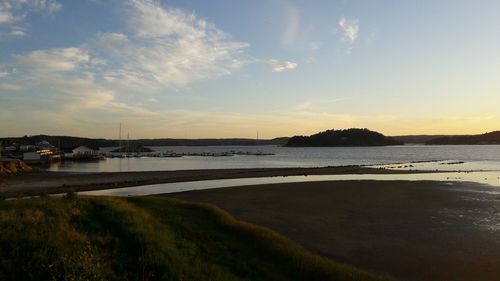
[[441, 165], [474, 157], [491, 178]]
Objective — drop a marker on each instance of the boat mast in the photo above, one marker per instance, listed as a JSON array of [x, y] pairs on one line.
[[120, 138], [128, 142]]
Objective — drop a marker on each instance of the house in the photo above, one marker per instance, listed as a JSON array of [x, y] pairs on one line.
[[11, 148], [44, 145], [84, 152], [27, 148]]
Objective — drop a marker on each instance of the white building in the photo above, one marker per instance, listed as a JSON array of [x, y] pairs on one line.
[[11, 148], [83, 151], [44, 145]]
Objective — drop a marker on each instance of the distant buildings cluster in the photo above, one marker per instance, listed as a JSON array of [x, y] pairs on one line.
[[45, 153]]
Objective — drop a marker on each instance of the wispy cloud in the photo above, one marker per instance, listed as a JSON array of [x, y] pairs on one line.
[[349, 29], [17, 31], [13, 12], [171, 47], [10, 87], [292, 24], [317, 105], [63, 59], [158, 49], [46, 6], [279, 66], [312, 49]]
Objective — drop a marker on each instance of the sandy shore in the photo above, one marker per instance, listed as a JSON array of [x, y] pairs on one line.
[[408, 230], [60, 182]]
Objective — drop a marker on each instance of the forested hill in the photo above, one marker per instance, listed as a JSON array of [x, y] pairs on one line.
[[347, 137], [417, 139], [67, 141], [488, 138]]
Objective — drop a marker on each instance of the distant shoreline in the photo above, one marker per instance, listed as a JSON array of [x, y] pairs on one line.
[[491, 138], [43, 182]]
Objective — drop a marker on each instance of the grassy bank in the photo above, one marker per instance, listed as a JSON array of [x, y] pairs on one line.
[[147, 238]]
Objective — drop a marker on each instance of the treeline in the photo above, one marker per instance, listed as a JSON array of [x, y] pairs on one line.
[[67, 142], [488, 138], [347, 137], [59, 141], [417, 139], [207, 142]]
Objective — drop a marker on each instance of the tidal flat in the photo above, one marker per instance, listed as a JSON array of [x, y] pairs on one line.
[[409, 230]]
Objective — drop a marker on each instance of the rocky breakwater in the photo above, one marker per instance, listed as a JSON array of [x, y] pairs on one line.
[[13, 166]]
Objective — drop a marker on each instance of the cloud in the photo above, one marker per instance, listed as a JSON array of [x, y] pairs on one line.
[[170, 47], [158, 49], [312, 49], [7, 12], [15, 10], [280, 66], [136, 111], [113, 40], [150, 20], [349, 29], [17, 31], [62, 59], [293, 21], [318, 105], [81, 93], [46, 6], [10, 87]]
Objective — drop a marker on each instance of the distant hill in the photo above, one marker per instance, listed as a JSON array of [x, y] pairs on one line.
[[63, 142], [348, 137], [409, 139], [68, 142], [487, 138], [211, 142]]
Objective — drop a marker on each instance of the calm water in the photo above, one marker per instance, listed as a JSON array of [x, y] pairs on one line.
[[489, 178], [475, 157]]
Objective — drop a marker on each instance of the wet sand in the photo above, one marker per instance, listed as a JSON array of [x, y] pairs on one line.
[[60, 182], [404, 229]]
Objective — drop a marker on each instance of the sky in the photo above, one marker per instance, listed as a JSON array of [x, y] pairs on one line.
[[232, 68]]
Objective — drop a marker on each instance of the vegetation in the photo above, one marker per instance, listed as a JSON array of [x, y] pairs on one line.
[[416, 139], [13, 166], [147, 238], [348, 137], [65, 142], [488, 138]]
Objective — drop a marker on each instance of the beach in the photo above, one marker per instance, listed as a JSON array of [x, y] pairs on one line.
[[409, 230], [39, 182]]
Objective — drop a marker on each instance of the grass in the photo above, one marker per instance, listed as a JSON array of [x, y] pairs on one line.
[[147, 238]]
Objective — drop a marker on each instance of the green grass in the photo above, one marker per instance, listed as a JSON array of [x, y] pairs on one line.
[[147, 238]]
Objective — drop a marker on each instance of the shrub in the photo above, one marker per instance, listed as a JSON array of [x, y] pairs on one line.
[[71, 195]]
